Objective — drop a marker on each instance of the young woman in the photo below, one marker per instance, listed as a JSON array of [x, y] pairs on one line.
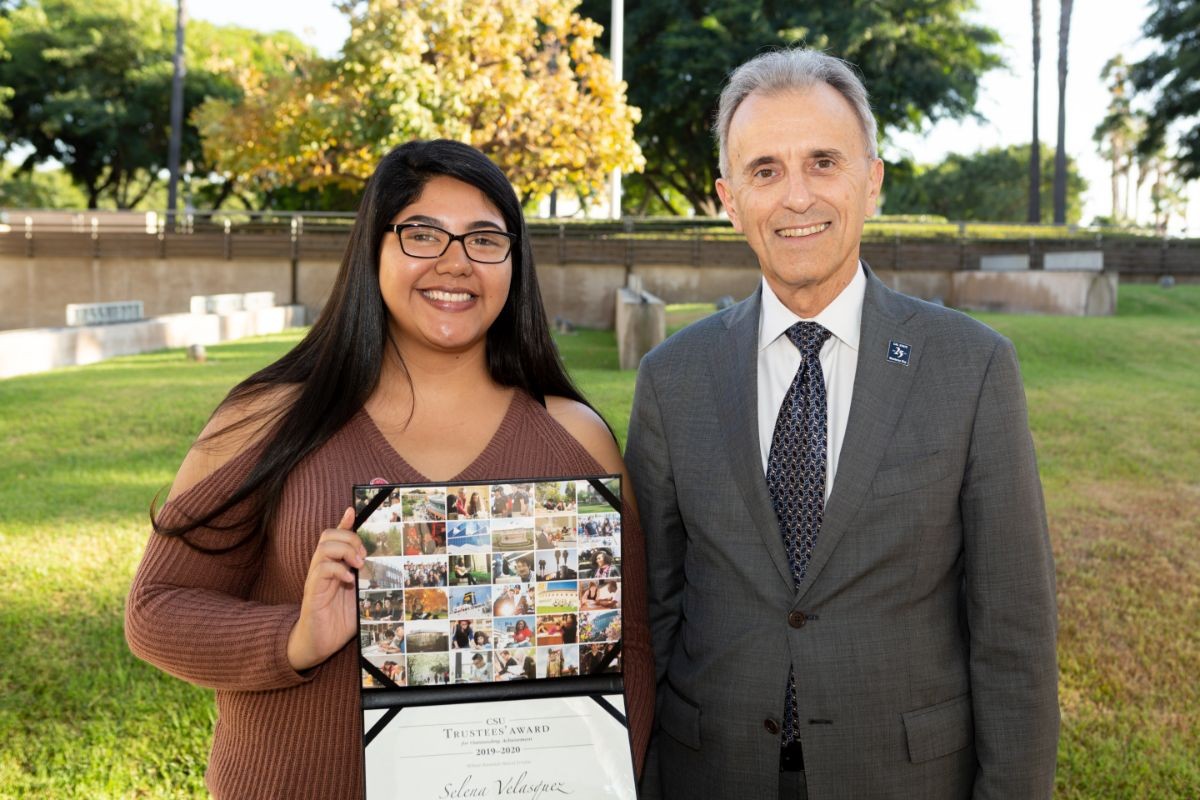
[[604, 566], [463, 634], [246, 584]]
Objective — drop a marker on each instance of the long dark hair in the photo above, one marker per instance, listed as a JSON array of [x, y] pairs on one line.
[[336, 367]]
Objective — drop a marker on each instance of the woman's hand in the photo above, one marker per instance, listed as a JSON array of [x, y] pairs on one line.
[[328, 612]]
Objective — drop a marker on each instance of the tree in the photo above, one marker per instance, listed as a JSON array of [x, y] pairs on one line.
[[91, 87], [1171, 74], [1146, 162], [233, 54], [1035, 163], [1168, 195], [921, 62], [37, 188], [1060, 151], [1117, 134], [520, 80], [87, 83], [5, 91], [988, 186]]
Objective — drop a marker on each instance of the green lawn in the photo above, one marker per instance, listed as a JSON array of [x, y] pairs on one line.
[[1113, 405]]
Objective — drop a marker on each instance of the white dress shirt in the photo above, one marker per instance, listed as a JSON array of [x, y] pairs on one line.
[[778, 360]]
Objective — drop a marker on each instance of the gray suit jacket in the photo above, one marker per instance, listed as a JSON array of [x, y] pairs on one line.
[[924, 646]]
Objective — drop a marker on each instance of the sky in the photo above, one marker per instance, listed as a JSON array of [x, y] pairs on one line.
[[1004, 98]]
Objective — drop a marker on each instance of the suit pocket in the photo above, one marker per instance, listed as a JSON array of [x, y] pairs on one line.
[[680, 717], [900, 478], [940, 729]]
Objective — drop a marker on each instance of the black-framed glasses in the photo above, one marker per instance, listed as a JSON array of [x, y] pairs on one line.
[[421, 240]]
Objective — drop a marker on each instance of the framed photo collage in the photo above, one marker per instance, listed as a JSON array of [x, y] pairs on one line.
[[489, 582]]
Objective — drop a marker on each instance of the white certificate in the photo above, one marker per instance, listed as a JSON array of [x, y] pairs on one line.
[[532, 749]]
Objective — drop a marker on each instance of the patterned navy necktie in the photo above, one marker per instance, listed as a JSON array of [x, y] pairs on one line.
[[796, 472]]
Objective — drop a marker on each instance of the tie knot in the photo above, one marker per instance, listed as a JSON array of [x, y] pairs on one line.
[[808, 338]]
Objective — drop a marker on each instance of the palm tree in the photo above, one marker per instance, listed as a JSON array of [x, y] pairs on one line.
[[1035, 150], [1116, 135], [1060, 154]]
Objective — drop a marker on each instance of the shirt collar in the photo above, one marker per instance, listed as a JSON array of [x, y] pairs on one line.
[[842, 317]]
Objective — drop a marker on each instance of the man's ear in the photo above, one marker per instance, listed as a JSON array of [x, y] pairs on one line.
[[874, 184], [725, 192]]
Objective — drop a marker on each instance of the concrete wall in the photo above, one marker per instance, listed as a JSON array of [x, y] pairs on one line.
[[314, 280], [1072, 293], [584, 295], [676, 284], [936, 285], [34, 292], [27, 351]]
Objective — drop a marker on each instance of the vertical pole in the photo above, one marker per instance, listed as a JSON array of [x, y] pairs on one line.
[[176, 143], [616, 54], [1035, 148], [297, 232]]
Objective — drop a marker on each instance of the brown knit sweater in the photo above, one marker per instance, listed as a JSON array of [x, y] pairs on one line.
[[221, 622]]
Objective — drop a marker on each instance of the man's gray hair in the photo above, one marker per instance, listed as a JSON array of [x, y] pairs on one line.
[[795, 69]]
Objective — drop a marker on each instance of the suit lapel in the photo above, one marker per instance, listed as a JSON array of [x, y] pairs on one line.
[[736, 358], [881, 388]]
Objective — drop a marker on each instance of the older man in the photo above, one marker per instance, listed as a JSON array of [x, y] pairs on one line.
[[851, 583]]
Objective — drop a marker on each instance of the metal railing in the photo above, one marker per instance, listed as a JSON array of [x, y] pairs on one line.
[[697, 242]]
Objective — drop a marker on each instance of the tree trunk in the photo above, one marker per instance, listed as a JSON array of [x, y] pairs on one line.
[[1035, 149], [1060, 154], [1137, 190], [223, 195], [138, 195], [1126, 173], [653, 186], [1115, 180]]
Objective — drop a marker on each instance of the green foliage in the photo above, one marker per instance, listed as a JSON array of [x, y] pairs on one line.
[[51, 188], [991, 185], [518, 79], [646, 198], [5, 91], [1171, 73], [91, 83], [1118, 133], [101, 122], [920, 62]]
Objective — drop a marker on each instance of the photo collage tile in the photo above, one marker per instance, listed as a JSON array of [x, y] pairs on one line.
[[479, 583]]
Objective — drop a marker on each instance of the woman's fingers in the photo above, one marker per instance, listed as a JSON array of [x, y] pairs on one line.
[[329, 549], [341, 543], [332, 570], [328, 615]]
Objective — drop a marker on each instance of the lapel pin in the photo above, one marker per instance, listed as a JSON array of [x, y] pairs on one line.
[[898, 352]]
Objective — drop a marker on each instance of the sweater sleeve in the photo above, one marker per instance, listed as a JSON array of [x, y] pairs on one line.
[[189, 612]]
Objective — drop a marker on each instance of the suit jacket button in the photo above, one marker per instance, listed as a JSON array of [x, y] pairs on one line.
[[797, 619], [771, 725]]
